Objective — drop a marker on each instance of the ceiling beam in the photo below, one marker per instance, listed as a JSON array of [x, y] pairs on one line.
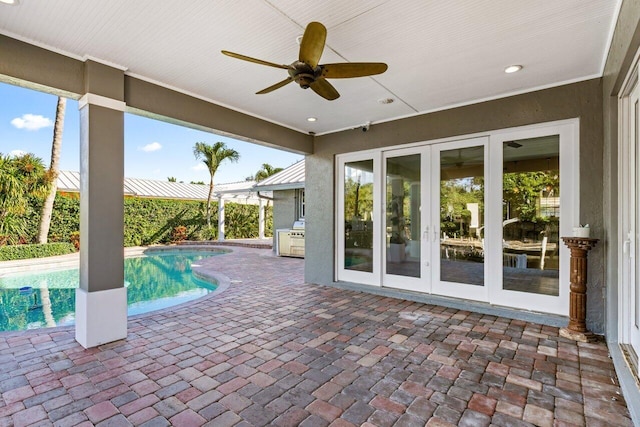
[[27, 65]]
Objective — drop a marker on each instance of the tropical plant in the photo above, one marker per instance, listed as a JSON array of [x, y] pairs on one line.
[[212, 156], [21, 177], [54, 169], [172, 179], [265, 172]]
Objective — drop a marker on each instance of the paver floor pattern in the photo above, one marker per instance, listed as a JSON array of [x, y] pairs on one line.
[[271, 350]]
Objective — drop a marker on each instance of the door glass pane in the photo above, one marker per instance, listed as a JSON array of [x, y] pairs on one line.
[[403, 215], [462, 215], [358, 216], [531, 215]]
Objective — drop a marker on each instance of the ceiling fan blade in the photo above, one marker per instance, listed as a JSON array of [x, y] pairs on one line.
[[324, 89], [275, 86], [257, 61], [352, 69], [312, 44]]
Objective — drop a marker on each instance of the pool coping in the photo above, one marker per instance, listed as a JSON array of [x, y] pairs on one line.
[[64, 261]]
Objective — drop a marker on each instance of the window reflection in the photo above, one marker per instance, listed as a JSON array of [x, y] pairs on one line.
[[531, 215], [358, 216], [403, 215], [462, 215]]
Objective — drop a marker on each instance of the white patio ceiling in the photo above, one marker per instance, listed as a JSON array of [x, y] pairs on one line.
[[440, 53]]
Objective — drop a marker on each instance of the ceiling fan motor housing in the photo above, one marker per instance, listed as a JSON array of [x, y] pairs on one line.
[[303, 74]]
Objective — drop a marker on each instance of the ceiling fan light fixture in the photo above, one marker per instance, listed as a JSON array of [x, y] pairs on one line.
[[311, 119], [513, 69]]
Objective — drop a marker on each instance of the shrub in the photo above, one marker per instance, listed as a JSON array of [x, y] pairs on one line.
[[152, 221], [179, 234], [75, 240], [14, 252]]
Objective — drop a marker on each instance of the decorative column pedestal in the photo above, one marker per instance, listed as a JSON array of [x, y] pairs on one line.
[[577, 329]]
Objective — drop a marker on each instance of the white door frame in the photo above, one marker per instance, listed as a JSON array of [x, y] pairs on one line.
[[440, 287], [492, 292], [343, 274], [422, 283], [628, 212], [569, 215]]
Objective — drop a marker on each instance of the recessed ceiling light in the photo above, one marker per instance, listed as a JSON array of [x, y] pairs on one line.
[[311, 119], [513, 69], [299, 39], [11, 2]]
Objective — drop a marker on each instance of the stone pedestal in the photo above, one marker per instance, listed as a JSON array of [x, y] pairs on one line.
[[577, 328]]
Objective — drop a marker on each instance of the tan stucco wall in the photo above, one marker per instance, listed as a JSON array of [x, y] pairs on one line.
[[579, 100]]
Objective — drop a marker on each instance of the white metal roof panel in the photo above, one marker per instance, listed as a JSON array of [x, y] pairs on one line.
[[289, 178], [241, 192]]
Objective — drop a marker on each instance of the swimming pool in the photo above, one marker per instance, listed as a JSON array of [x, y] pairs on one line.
[[155, 280]]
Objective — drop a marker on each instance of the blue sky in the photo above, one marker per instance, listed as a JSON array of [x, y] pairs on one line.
[[153, 149]]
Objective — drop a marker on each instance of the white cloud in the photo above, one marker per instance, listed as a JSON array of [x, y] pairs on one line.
[[32, 122], [17, 153], [154, 146], [199, 167]]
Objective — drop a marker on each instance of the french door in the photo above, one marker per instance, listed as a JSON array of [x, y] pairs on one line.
[[630, 212], [434, 218], [477, 218]]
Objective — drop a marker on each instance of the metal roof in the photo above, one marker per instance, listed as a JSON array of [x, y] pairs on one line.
[[239, 192], [288, 179]]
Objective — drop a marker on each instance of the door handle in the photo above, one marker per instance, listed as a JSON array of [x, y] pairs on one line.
[[425, 234], [626, 246]]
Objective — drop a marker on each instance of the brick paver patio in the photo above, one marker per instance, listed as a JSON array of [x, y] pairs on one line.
[[271, 350]]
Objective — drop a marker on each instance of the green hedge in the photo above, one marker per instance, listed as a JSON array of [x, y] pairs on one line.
[[13, 252], [152, 221]]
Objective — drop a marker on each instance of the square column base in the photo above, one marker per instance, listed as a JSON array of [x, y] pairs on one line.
[[101, 317], [578, 336]]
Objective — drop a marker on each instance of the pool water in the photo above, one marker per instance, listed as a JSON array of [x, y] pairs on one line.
[[156, 280]]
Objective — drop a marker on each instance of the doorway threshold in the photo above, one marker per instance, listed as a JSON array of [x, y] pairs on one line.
[[460, 304]]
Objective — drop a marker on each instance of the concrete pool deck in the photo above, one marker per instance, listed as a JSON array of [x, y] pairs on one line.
[[272, 350]]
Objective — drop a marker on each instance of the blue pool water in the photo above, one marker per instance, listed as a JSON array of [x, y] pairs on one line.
[[156, 280]]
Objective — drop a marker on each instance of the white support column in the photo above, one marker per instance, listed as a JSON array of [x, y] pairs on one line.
[[220, 219], [261, 219]]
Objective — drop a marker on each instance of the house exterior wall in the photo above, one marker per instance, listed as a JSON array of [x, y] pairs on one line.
[[581, 100]]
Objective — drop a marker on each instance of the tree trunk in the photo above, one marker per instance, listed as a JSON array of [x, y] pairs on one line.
[[54, 169], [209, 202]]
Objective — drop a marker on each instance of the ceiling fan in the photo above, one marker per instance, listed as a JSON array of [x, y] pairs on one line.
[[308, 73]]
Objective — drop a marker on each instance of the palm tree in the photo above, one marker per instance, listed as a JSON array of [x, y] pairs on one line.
[[266, 171], [21, 177], [212, 156], [54, 169]]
